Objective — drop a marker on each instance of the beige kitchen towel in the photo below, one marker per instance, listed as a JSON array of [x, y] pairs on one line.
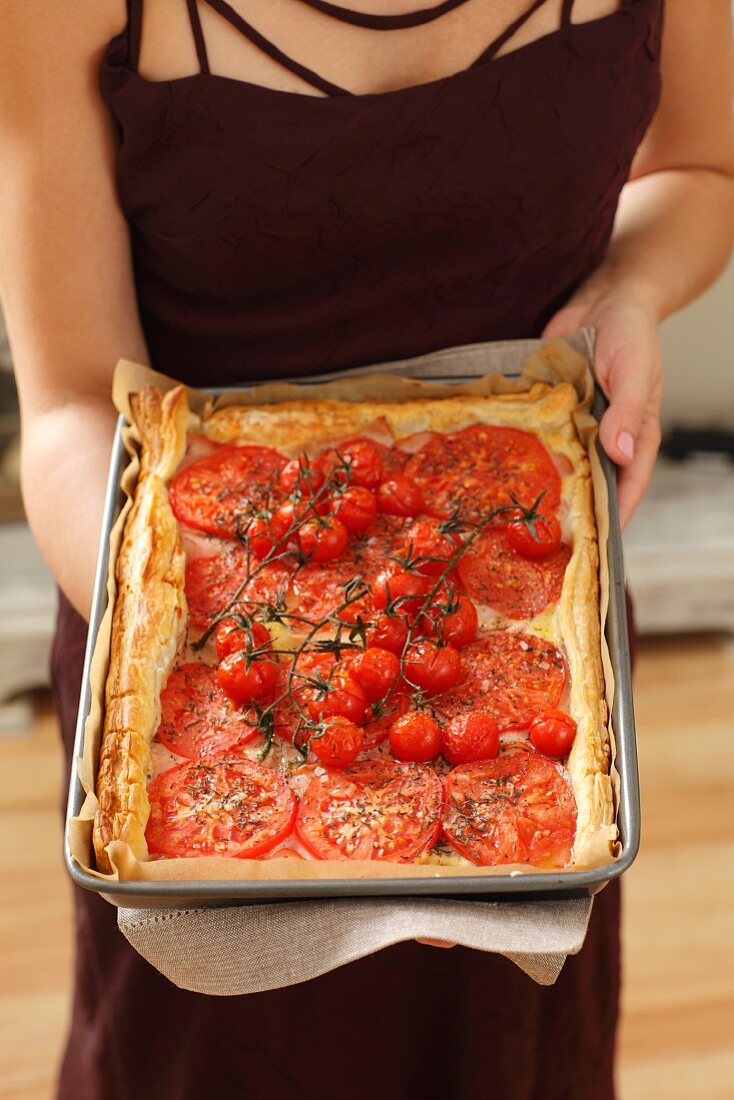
[[251, 948]]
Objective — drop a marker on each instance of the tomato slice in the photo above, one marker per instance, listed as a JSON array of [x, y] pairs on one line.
[[518, 808], [219, 807], [197, 718], [375, 809], [493, 573], [480, 466], [219, 492], [210, 584], [392, 458], [510, 676], [318, 590]]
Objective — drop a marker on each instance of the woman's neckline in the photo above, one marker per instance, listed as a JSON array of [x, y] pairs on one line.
[[481, 64]]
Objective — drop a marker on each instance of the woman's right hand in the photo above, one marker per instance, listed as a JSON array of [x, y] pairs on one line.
[[66, 282], [629, 370]]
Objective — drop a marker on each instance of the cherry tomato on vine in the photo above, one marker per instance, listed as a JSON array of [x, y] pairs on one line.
[[356, 508], [337, 742], [246, 679], [415, 737], [344, 697], [356, 610], [553, 733], [406, 591], [298, 474], [533, 538], [425, 540], [433, 668], [470, 737], [287, 516], [376, 671], [458, 627], [389, 632], [262, 535], [363, 460], [381, 717], [231, 637], [399, 496], [322, 540]]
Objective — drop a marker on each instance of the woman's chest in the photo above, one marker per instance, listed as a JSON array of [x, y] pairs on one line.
[[267, 186], [370, 48]]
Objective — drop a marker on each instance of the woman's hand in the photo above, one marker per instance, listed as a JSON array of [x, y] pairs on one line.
[[629, 371]]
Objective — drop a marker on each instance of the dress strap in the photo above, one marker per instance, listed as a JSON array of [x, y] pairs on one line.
[[227, 12], [198, 36], [566, 12], [384, 22], [134, 30], [494, 47]]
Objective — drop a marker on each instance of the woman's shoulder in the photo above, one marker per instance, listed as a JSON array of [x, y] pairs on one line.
[[44, 29], [49, 59]]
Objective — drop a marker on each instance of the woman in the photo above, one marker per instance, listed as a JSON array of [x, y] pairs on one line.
[[287, 188]]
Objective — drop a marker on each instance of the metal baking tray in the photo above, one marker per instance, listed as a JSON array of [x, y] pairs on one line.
[[184, 894]]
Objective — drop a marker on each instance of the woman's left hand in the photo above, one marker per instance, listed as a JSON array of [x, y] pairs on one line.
[[628, 368]]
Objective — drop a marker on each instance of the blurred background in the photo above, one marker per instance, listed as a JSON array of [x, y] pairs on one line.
[[678, 1007]]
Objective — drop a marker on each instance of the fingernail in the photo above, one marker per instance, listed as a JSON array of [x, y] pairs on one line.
[[626, 444]]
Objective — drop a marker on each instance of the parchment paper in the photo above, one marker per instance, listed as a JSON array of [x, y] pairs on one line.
[[550, 363]]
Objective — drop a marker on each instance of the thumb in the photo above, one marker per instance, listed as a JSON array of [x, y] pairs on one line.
[[628, 390]]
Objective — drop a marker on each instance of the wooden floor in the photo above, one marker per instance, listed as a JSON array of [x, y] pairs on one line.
[[677, 1039]]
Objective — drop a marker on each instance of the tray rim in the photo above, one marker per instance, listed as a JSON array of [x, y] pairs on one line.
[[187, 893]]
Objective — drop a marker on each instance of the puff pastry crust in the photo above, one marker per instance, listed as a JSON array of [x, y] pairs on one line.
[[147, 627], [150, 611]]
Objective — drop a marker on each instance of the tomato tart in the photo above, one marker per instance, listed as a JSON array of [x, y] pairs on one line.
[[359, 631]]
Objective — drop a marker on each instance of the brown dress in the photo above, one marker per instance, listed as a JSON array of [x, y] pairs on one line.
[[280, 234]]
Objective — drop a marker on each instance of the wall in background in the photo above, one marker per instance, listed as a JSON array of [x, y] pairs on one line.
[[698, 359]]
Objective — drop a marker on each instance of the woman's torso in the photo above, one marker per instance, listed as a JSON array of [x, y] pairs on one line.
[[279, 233]]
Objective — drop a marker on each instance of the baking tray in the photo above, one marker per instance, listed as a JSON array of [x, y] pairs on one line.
[[531, 886]]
